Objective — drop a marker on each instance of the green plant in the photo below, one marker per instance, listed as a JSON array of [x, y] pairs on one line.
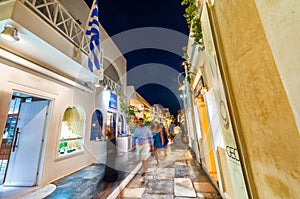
[[193, 20], [197, 30], [124, 107], [185, 55], [130, 113], [147, 118], [128, 110]]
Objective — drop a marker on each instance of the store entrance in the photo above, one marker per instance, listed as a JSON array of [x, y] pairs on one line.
[[23, 140], [208, 146]]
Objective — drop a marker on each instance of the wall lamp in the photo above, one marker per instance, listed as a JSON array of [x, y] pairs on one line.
[[97, 84], [9, 33], [185, 64]]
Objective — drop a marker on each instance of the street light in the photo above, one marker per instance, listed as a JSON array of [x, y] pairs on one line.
[[178, 80]]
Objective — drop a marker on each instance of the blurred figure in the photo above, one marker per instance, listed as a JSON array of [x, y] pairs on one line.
[[171, 131], [154, 130], [177, 131], [110, 173], [143, 137], [165, 139], [158, 140]]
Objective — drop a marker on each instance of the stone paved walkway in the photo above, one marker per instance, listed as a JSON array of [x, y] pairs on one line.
[[178, 177], [87, 183]]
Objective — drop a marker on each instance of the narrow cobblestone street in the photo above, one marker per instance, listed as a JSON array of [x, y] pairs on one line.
[[178, 176]]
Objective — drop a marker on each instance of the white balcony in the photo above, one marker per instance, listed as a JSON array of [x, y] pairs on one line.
[[50, 37], [55, 14]]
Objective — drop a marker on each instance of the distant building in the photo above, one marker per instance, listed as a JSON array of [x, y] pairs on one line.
[[141, 107]]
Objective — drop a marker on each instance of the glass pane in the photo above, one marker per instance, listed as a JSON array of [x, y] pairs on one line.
[[96, 126], [71, 137]]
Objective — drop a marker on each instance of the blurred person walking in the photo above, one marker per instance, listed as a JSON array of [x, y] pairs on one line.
[[158, 141], [177, 131], [171, 132], [165, 139], [143, 137]]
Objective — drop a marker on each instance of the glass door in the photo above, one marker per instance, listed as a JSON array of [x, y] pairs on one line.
[[8, 135]]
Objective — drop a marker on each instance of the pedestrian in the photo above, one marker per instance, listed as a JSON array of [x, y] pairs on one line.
[[171, 131], [143, 137], [158, 141], [154, 130], [177, 131], [165, 139]]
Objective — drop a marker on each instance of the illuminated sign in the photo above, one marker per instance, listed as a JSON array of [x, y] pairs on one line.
[[113, 101]]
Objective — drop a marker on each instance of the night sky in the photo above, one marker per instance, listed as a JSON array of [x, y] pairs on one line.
[[117, 16]]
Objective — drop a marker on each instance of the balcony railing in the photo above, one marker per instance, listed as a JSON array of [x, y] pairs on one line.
[[110, 84], [57, 16], [54, 13]]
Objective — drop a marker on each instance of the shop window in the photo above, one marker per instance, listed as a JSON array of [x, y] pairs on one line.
[[110, 125], [97, 125], [121, 131], [71, 137]]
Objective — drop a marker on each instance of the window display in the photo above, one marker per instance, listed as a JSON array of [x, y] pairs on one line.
[[97, 125], [71, 137], [121, 131], [110, 125], [113, 101]]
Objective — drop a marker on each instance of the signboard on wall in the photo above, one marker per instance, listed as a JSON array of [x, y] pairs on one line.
[[113, 101]]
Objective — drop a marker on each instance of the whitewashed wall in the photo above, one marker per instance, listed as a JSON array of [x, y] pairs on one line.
[[62, 96]]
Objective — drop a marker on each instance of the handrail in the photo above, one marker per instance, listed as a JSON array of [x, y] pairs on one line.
[[53, 12]]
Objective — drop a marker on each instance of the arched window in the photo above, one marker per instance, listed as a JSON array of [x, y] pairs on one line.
[[72, 130], [97, 126]]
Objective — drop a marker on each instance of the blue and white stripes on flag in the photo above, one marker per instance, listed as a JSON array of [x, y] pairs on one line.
[[93, 31]]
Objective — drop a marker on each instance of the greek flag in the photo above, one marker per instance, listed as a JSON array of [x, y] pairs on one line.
[[95, 56]]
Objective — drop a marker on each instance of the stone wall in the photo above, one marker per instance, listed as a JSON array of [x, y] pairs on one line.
[[267, 122]]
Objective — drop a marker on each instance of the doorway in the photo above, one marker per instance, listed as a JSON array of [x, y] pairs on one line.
[[207, 148], [23, 139]]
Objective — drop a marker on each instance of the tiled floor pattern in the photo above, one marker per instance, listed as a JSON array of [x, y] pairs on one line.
[[178, 177]]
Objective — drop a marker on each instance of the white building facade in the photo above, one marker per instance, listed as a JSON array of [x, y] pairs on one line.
[[54, 120]]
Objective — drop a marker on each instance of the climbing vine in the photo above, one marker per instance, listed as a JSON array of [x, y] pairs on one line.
[[128, 110], [193, 20]]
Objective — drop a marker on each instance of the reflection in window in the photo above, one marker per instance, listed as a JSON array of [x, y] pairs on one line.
[[71, 137], [110, 125], [97, 125], [121, 131]]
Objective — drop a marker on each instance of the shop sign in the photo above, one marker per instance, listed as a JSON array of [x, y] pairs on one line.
[[113, 101], [232, 153]]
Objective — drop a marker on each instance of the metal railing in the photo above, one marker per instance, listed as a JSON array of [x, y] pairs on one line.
[[110, 84], [58, 17], [54, 13]]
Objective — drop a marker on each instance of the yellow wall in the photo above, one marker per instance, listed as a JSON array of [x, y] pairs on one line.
[[267, 122], [281, 21]]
